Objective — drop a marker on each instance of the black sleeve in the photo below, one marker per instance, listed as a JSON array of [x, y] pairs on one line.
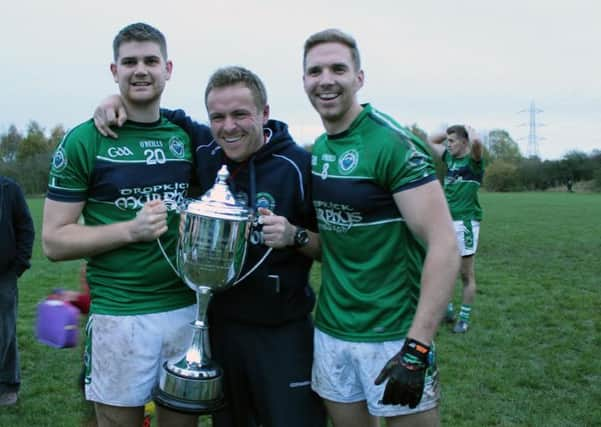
[[310, 213], [24, 231], [199, 134], [307, 208]]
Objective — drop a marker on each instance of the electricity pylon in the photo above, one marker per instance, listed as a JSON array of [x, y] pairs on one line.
[[532, 125]]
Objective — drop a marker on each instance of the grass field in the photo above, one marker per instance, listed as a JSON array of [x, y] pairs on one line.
[[531, 357]]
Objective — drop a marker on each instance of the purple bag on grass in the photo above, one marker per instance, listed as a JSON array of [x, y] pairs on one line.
[[57, 324]]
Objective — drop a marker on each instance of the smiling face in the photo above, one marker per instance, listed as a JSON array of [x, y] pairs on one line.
[[236, 120], [141, 72], [331, 82]]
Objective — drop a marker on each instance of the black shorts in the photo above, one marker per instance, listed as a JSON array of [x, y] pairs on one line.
[[267, 375]]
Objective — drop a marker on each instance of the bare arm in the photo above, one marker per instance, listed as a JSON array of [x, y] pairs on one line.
[[63, 238], [474, 138], [110, 112], [279, 233], [426, 212], [435, 141]]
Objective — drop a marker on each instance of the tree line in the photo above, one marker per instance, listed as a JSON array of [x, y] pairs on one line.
[[26, 158]]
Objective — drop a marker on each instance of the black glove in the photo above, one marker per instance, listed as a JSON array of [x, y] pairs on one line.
[[405, 372]]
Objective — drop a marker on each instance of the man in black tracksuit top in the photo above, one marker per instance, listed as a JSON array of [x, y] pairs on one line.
[[16, 243], [261, 329]]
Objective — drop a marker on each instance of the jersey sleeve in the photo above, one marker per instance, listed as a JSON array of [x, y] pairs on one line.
[[407, 163], [72, 164]]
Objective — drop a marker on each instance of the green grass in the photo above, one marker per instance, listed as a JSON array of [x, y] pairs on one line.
[[49, 392], [529, 359]]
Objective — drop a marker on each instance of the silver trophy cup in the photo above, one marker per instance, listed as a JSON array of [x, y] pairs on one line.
[[210, 256]]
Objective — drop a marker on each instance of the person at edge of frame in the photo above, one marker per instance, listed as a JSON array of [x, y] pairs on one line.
[[388, 251], [127, 190], [16, 245], [261, 329]]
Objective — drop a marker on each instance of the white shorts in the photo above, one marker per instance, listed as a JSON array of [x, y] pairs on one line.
[[467, 233], [123, 354], [345, 371]]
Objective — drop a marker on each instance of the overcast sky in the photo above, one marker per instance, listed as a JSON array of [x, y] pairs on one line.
[[428, 62]]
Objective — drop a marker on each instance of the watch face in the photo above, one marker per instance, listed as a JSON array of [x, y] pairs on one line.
[[301, 238]]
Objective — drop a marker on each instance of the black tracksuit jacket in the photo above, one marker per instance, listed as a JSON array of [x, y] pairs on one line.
[[16, 228], [278, 177]]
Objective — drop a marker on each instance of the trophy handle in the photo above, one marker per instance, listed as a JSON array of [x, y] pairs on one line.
[[178, 248], [176, 268], [178, 258]]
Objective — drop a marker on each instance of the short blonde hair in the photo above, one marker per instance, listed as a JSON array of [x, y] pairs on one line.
[[229, 76], [333, 35]]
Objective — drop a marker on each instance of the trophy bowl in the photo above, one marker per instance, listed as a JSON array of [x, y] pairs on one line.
[[210, 255]]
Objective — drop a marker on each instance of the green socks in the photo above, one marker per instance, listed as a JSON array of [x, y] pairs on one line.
[[464, 314]]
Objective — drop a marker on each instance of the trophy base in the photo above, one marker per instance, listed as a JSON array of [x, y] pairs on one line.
[[204, 407], [198, 391]]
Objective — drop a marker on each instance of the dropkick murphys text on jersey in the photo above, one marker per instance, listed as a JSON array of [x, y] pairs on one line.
[[173, 195]]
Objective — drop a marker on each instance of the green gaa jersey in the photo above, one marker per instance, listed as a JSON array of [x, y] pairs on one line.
[[371, 263], [115, 177], [461, 185]]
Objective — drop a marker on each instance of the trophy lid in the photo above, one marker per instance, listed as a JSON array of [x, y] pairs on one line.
[[218, 202]]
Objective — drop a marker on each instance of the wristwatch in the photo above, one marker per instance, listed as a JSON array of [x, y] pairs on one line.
[[301, 237]]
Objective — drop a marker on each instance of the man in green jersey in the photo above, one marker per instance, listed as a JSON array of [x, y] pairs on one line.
[[465, 169], [388, 251], [127, 190]]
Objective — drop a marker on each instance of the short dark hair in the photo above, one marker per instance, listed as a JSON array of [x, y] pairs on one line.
[[333, 35], [458, 130], [139, 32], [229, 76]]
